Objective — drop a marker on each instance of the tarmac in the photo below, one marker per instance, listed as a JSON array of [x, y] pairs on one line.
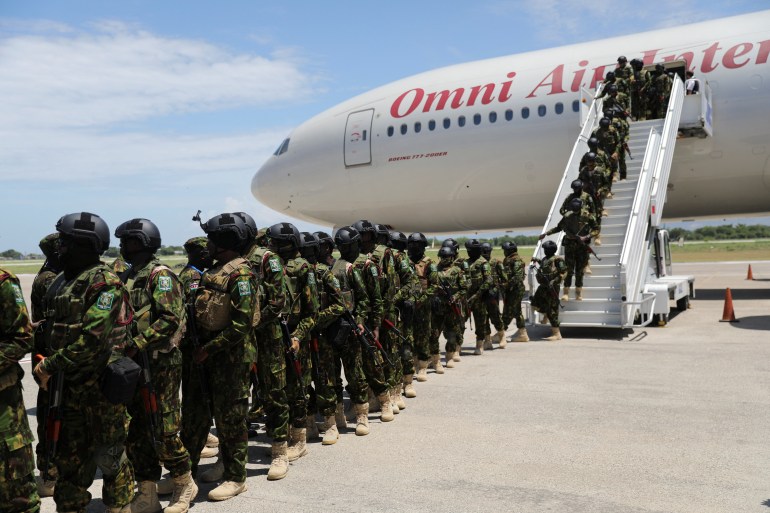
[[654, 419]]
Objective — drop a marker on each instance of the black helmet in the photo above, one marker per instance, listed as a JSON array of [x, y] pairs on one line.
[[549, 248], [612, 89], [417, 238], [398, 240], [622, 59], [510, 247], [345, 236], [142, 229], [251, 225], [486, 248], [382, 234], [452, 243], [284, 232], [363, 226], [325, 239], [309, 246], [577, 185], [472, 244], [659, 67], [590, 157], [610, 75], [226, 231], [84, 226], [446, 252], [593, 143], [575, 204], [637, 64], [620, 113], [605, 122]]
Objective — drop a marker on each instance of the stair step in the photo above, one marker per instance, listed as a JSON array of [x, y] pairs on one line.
[[589, 318]]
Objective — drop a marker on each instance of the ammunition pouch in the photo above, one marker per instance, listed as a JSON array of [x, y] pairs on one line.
[[119, 380], [339, 332]]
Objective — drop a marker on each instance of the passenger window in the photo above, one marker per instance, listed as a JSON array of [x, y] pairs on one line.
[[576, 106], [403, 129], [541, 110], [461, 121], [390, 131], [508, 115], [492, 117], [559, 107], [477, 119], [417, 127], [431, 125], [447, 123], [525, 112]]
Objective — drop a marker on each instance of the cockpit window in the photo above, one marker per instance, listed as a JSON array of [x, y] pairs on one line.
[[282, 148]]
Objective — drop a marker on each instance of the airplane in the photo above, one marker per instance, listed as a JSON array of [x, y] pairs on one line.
[[481, 146]]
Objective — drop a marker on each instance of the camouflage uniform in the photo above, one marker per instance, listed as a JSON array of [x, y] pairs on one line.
[[303, 313], [513, 293], [230, 352], [271, 363], [18, 493], [409, 290], [575, 252], [480, 281], [499, 282], [546, 297], [373, 313], [382, 256], [424, 344], [330, 307], [449, 318], [640, 81], [158, 302], [623, 131], [89, 316]]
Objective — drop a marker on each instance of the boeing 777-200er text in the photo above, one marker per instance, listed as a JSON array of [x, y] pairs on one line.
[[483, 145]]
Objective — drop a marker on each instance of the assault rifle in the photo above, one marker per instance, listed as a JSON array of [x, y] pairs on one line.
[[315, 359], [544, 280], [387, 324], [149, 397], [290, 354], [53, 418], [450, 298], [368, 340], [581, 240], [192, 333], [628, 150]]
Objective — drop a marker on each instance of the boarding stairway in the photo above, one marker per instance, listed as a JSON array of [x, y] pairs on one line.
[[629, 286]]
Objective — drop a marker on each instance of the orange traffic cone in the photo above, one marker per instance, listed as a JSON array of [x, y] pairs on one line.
[[749, 276], [728, 314]]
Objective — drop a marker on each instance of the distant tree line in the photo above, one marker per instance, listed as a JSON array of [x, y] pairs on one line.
[[724, 232]]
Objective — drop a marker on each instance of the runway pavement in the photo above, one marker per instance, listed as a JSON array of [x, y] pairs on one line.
[[657, 419]]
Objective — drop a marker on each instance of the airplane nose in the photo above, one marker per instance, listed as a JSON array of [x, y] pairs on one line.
[[269, 187]]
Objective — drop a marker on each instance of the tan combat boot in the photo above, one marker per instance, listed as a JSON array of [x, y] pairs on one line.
[[555, 335], [501, 339], [185, 491], [279, 467], [212, 441], [228, 490], [331, 435], [587, 269], [118, 509], [598, 241], [488, 342], [450, 362], [146, 498], [392, 395], [213, 474], [209, 452], [565, 296], [397, 399], [457, 356], [45, 487], [312, 428], [422, 371], [386, 410], [409, 391], [520, 335], [578, 293], [339, 417], [545, 320], [166, 485], [436, 363], [479, 346], [297, 445], [362, 419]]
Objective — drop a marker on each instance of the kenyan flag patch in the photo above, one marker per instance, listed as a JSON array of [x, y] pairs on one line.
[[105, 301], [164, 283], [17, 294], [244, 289]]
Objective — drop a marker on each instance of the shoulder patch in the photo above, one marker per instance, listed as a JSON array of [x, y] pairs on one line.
[[433, 268], [311, 278], [244, 288], [336, 282], [275, 265], [194, 285], [18, 296], [105, 301], [164, 283], [373, 270]]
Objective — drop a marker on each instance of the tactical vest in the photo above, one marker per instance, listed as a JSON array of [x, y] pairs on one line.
[[140, 291], [259, 257], [13, 373], [293, 269], [341, 270], [422, 268], [72, 301], [212, 303], [321, 272]]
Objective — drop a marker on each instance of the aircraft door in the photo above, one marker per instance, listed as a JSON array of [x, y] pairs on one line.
[[358, 136]]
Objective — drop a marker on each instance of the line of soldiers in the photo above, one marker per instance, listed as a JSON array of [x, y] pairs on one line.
[[269, 315], [643, 95]]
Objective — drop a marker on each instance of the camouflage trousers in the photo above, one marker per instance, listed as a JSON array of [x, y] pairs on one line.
[[228, 383], [394, 373], [451, 326], [323, 398], [145, 455], [493, 311], [18, 493], [406, 350], [273, 378], [374, 370], [296, 386], [512, 298], [93, 434], [547, 302], [40, 455], [576, 257], [348, 358], [421, 330], [256, 409], [481, 319]]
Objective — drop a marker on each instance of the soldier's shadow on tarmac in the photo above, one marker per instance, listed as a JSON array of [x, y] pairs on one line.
[[539, 331], [737, 294]]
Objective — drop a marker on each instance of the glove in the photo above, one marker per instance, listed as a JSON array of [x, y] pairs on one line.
[[407, 311]]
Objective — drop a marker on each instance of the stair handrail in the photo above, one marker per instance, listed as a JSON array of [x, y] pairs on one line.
[[633, 254], [666, 155]]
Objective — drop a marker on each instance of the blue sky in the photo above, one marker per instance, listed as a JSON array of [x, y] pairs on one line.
[[157, 109]]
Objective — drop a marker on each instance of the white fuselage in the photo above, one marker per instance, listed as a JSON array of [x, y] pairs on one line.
[[495, 173]]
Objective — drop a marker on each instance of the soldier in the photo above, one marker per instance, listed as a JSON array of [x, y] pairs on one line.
[[640, 80], [480, 281], [284, 240], [579, 192], [405, 301], [499, 282], [449, 318], [623, 73], [658, 93], [425, 270], [91, 314], [17, 465], [514, 291], [49, 245], [577, 226], [159, 322], [620, 122], [609, 79], [390, 284], [546, 298], [347, 349], [462, 264], [374, 369], [226, 312], [615, 99], [317, 249], [608, 140]]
